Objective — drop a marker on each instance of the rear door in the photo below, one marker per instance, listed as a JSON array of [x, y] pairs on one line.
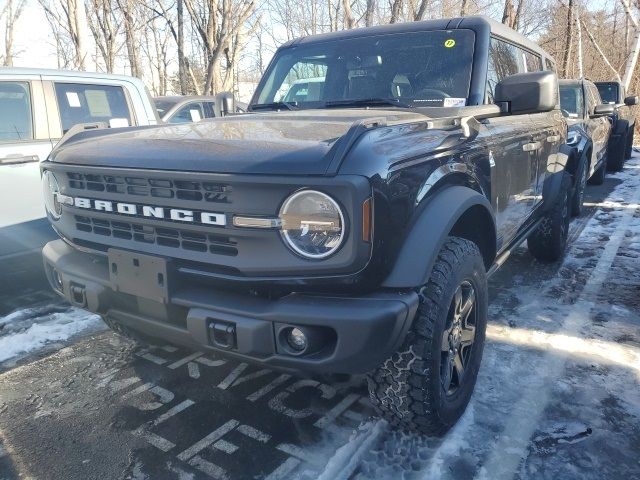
[[598, 128]]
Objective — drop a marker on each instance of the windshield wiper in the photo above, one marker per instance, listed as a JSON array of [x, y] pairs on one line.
[[367, 102], [275, 105]]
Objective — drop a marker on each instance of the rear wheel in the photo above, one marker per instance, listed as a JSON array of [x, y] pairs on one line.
[[580, 184], [630, 135], [548, 242], [600, 174], [616, 155], [426, 385]]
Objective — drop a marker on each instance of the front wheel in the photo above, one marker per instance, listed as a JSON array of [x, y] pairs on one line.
[[548, 241], [426, 385]]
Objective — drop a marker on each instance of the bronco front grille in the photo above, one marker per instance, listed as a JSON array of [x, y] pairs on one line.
[[166, 237], [212, 192]]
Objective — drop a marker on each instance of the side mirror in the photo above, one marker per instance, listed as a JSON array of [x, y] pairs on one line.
[[531, 92], [225, 104], [631, 100], [602, 110]]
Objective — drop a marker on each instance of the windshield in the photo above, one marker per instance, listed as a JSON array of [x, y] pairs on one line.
[[162, 106], [423, 69], [608, 92], [571, 101]]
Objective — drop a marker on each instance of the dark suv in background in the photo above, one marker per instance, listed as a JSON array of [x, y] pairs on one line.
[[623, 122], [589, 130]]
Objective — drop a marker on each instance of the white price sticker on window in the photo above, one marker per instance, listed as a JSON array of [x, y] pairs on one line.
[[73, 99], [455, 102]]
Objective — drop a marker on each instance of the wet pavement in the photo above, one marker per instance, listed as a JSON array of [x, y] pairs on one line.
[[557, 395]]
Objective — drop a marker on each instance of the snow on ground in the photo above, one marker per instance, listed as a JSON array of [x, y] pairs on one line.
[[28, 330], [557, 394]]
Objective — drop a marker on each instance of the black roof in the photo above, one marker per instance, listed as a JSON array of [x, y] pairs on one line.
[[477, 23]]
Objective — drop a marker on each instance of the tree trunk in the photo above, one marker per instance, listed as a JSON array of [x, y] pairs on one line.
[[464, 7], [368, 14], [349, 21], [396, 9], [181, 66], [566, 56]]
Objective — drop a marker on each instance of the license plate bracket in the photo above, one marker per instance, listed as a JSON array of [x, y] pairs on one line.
[[140, 275]]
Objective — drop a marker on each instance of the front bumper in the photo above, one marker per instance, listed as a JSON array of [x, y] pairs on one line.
[[348, 334]]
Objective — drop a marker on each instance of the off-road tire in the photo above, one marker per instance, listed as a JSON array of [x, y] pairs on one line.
[[600, 174], [617, 154], [629, 150], [580, 184], [125, 331], [407, 389], [548, 242]]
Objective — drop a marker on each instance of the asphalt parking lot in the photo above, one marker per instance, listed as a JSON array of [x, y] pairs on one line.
[[557, 396]]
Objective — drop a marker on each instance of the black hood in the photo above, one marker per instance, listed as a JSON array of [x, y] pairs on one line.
[[295, 143]]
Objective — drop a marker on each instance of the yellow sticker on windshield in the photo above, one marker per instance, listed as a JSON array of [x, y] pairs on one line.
[[449, 43]]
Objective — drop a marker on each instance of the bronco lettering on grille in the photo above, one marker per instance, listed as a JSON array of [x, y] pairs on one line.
[[177, 214]]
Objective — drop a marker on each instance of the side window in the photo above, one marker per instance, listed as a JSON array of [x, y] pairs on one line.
[[549, 65], [594, 98], [209, 109], [86, 103], [572, 101], [532, 62], [15, 112], [191, 112], [505, 59]]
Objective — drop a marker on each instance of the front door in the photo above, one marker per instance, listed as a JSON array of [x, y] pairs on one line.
[[514, 170]]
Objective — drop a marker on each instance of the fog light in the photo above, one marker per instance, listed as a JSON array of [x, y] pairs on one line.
[[57, 279], [297, 339]]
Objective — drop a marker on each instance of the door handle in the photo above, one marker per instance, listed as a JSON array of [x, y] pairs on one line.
[[553, 138], [531, 146]]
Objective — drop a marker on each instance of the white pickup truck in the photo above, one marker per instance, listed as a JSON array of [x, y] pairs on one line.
[[37, 107]]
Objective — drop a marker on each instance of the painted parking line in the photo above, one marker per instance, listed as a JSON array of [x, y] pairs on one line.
[[511, 446]]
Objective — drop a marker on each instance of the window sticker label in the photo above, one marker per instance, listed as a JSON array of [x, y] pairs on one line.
[[73, 99], [98, 103], [450, 43], [195, 115], [455, 102]]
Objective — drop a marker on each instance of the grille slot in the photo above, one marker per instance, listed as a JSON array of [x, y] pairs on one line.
[[166, 237], [209, 192]]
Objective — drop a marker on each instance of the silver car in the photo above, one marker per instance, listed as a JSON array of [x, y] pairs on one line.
[[37, 107], [186, 109]]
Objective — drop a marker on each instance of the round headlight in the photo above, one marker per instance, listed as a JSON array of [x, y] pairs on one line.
[[50, 190], [312, 224]]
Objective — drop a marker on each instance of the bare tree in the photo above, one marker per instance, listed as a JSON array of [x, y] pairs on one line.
[[11, 13], [67, 25], [219, 25], [567, 51], [105, 28], [130, 13]]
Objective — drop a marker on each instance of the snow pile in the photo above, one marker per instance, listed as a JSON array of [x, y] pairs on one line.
[[30, 329]]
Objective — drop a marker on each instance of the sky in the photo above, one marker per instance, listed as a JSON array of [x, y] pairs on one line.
[[34, 47]]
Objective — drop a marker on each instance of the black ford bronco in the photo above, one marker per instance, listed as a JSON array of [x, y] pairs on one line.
[[350, 229], [622, 123]]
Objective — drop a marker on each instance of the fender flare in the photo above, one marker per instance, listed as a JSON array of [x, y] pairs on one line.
[[429, 232]]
